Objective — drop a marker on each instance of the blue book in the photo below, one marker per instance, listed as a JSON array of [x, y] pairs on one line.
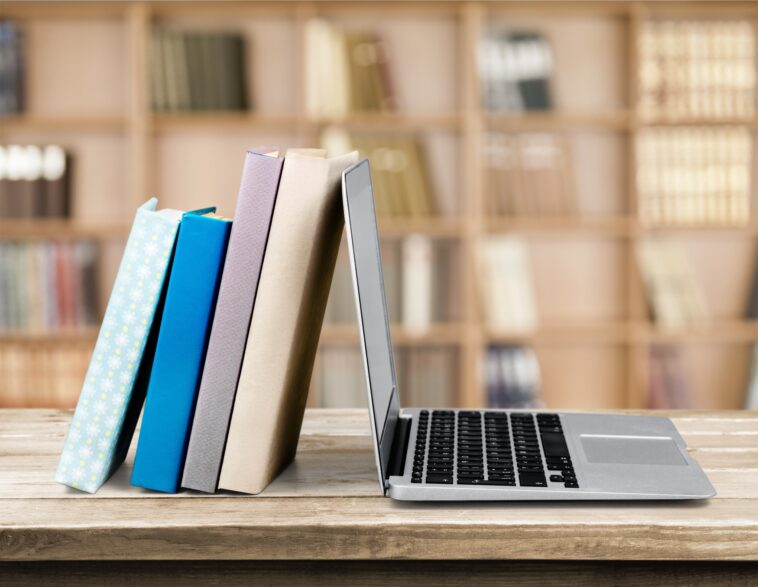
[[180, 352], [114, 387]]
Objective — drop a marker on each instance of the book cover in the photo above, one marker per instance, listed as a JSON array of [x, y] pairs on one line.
[[180, 351], [236, 297], [114, 387], [286, 324]]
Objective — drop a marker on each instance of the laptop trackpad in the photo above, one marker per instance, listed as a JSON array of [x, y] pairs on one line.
[[631, 450]]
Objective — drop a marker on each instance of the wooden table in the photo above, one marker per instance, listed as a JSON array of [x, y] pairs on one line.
[[324, 521]]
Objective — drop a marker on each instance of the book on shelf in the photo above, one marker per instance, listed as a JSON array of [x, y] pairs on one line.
[[11, 68], [428, 376], [512, 377], [116, 381], [45, 375], [429, 297], [675, 295], [399, 171], [228, 336], [339, 380], [197, 70], [668, 387], [529, 174], [346, 71], [505, 285], [691, 175], [35, 182], [302, 248], [48, 286], [180, 351], [697, 69], [515, 70]]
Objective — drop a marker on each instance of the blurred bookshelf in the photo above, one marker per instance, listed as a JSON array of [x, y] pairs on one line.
[[89, 86]]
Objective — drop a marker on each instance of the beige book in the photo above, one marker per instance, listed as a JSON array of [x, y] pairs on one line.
[[289, 309]]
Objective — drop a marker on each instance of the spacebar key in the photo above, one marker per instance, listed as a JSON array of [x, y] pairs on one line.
[[445, 479]]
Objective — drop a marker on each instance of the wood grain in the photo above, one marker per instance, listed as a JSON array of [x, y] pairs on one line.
[[327, 506]]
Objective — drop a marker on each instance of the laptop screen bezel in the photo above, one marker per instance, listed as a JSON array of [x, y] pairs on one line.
[[382, 438]]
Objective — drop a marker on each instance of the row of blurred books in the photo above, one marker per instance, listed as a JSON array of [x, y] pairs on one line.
[[697, 69], [35, 181], [47, 286]]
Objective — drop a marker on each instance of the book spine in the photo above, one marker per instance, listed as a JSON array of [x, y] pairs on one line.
[[236, 297], [180, 352], [113, 390]]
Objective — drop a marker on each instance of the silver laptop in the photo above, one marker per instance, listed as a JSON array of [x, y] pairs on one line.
[[477, 455]]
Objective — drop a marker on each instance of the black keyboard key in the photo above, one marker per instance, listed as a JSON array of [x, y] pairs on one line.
[[556, 478], [571, 484], [554, 445], [532, 479], [440, 479]]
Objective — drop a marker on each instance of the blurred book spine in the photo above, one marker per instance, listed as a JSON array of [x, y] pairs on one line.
[[47, 286], [339, 378], [197, 71], [346, 71], [697, 69], [506, 285], [35, 181], [515, 70], [512, 377], [11, 68], [674, 292], [529, 175], [694, 175], [428, 376]]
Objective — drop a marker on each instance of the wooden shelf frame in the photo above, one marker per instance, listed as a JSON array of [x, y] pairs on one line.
[[469, 121]]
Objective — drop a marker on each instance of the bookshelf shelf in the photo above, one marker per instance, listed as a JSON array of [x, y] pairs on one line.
[[749, 228], [391, 122], [614, 227], [48, 337], [14, 124], [61, 229], [437, 335], [751, 122], [737, 331], [603, 333], [244, 121], [522, 122]]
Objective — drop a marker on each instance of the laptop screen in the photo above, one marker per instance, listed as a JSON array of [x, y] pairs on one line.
[[366, 263]]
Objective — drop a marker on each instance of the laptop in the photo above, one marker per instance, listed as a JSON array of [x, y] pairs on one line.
[[483, 455]]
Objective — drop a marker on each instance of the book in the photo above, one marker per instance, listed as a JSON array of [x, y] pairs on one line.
[[417, 283], [184, 72], [505, 284], [427, 376], [11, 68], [512, 377], [116, 381], [515, 70], [701, 68], [694, 175], [284, 331], [236, 299], [35, 182], [180, 351], [676, 297]]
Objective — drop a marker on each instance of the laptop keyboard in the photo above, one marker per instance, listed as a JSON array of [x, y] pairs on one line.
[[491, 448]]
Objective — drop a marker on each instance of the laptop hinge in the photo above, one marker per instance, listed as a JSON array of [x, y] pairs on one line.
[[396, 466]]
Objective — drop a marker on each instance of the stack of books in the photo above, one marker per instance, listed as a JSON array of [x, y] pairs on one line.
[[35, 181], [217, 327], [697, 69], [676, 297], [694, 175], [11, 68], [505, 285], [346, 72], [515, 70], [512, 377], [47, 286], [420, 284], [44, 375], [529, 175], [399, 171], [196, 70]]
